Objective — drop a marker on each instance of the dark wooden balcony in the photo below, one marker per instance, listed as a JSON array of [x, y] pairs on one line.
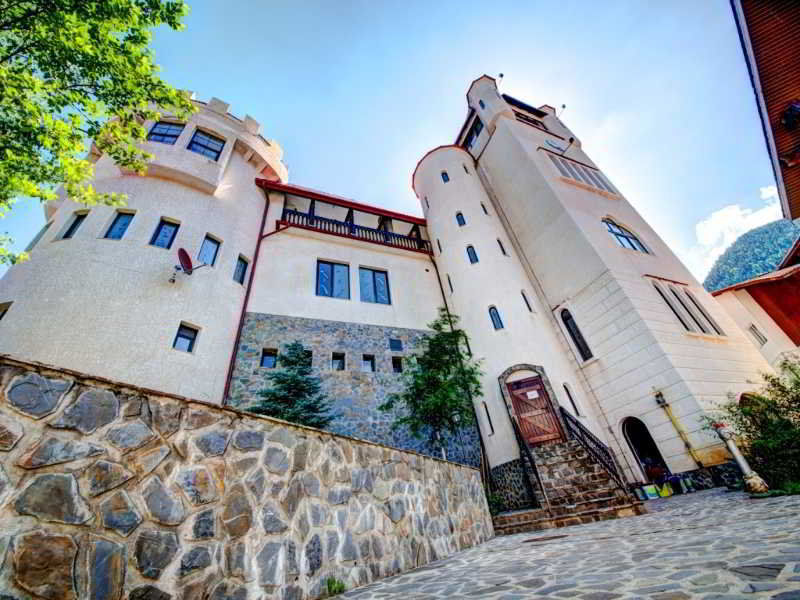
[[295, 218]]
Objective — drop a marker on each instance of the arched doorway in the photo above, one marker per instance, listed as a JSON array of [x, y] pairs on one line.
[[642, 444]]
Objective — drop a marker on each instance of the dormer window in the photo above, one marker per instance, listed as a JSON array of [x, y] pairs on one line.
[[165, 132], [206, 144]]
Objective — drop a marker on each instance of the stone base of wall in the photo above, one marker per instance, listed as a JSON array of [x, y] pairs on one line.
[[355, 394], [726, 474], [109, 491], [508, 484]]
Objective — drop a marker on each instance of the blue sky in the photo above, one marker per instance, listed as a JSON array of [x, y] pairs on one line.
[[357, 92]]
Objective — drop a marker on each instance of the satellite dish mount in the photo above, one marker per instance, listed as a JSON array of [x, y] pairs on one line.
[[186, 267]]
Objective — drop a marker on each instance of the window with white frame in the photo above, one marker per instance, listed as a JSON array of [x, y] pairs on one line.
[[581, 173], [691, 314]]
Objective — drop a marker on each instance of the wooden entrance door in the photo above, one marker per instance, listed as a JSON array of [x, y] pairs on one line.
[[534, 411]]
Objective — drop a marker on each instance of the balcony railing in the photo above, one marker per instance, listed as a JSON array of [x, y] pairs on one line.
[[351, 230]]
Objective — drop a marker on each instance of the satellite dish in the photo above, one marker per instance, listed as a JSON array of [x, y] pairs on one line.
[[185, 260]]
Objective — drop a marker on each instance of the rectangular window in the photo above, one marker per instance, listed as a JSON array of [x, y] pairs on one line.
[[73, 227], [119, 226], [185, 338], [474, 132], [397, 364], [165, 132], [206, 144], [582, 173], [374, 286], [333, 280], [208, 251], [337, 361], [368, 363], [240, 272], [269, 358], [754, 331], [395, 345], [164, 234], [38, 236]]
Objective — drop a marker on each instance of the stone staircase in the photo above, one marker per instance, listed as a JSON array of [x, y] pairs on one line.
[[577, 489]]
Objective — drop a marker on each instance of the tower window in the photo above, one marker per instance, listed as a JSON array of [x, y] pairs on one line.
[[333, 280], [438, 243], [77, 220], [395, 345], [397, 364], [527, 303], [445, 176], [473, 256], [474, 132], [449, 283], [185, 338], [206, 144], [240, 272], [494, 315], [269, 358], [576, 335], [572, 401], [368, 363], [488, 418], [164, 234], [165, 132], [119, 226], [460, 219], [428, 204], [374, 286], [754, 331], [483, 206], [337, 361], [502, 248], [466, 170], [483, 106], [624, 237], [209, 250]]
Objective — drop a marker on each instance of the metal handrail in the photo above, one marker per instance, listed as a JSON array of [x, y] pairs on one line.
[[590, 442], [532, 462], [388, 238]]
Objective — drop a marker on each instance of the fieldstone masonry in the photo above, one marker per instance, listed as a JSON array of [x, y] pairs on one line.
[[356, 395], [110, 492]]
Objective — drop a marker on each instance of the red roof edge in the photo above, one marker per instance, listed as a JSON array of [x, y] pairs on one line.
[[766, 278], [337, 200]]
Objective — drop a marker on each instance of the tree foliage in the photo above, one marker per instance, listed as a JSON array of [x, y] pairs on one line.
[[439, 384], [71, 71], [294, 394], [756, 252], [767, 425]]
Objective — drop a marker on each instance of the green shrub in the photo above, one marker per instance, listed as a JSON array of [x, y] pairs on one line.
[[767, 425], [335, 586]]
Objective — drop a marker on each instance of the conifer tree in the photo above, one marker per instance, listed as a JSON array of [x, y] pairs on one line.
[[439, 384], [295, 394]]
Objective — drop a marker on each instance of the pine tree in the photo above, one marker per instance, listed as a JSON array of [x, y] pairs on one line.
[[439, 383], [295, 395]]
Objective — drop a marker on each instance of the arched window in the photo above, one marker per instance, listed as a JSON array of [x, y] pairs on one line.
[[497, 322], [576, 335], [572, 401], [624, 238], [473, 256], [460, 219], [445, 176]]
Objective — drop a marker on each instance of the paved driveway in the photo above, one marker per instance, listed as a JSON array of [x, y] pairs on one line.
[[710, 545]]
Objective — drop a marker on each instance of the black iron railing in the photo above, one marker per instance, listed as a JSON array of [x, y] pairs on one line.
[[599, 451], [342, 228], [525, 453]]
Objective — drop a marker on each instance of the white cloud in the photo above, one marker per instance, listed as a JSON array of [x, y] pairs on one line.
[[721, 228]]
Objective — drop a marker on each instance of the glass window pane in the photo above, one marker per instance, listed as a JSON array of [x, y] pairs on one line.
[[241, 270], [368, 363], [119, 226], [269, 359], [324, 275], [557, 162], [184, 339], [208, 251], [341, 281], [76, 222], [164, 235], [366, 285], [381, 288]]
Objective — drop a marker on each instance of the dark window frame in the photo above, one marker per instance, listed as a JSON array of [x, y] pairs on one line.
[[496, 319], [207, 146], [333, 271], [502, 248], [168, 133], [164, 222], [373, 273], [578, 341], [397, 364], [78, 219], [445, 177], [483, 206], [237, 277], [271, 354], [460, 220], [572, 401], [117, 217], [625, 237], [183, 334], [488, 418], [472, 255], [525, 299], [369, 359], [209, 238], [450, 283], [338, 356]]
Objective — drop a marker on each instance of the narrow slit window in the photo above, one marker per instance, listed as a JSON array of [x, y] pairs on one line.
[[681, 318], [77, 220], [460, 219], [527, 303], [397, 364], [472, 255], [164, 234], [450, 283], [494, 315], [575, 333], [684, 304], [754, 331], [368, 363], [269, 358], [428, 204], [483, 206], [185, 338], [119, 226], [488, 418], [502, 248], [209, 250], [240, 272], [439, 244], [337, 361], [445, 176], [714, 325], [572, 401], [466, 170], [481, 104]]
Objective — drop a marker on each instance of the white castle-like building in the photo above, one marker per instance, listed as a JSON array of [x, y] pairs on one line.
[[583, 317]]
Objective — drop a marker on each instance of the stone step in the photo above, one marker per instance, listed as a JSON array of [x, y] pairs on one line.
[[536, 522]]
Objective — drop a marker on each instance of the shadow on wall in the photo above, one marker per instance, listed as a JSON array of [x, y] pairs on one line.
[[106, 489]]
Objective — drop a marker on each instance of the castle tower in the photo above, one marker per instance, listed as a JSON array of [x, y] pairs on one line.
[[95, 295], [592, 308]]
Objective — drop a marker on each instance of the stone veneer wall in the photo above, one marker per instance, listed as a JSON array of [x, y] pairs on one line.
[[112, 492], [356, 395]]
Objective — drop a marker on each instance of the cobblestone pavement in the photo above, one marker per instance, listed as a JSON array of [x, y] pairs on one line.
[[713, 545]]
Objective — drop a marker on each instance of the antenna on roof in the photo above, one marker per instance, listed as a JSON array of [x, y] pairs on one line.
[[563, 108], [499, 78]]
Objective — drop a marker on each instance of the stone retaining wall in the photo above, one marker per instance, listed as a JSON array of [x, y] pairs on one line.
[[113, 492]]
